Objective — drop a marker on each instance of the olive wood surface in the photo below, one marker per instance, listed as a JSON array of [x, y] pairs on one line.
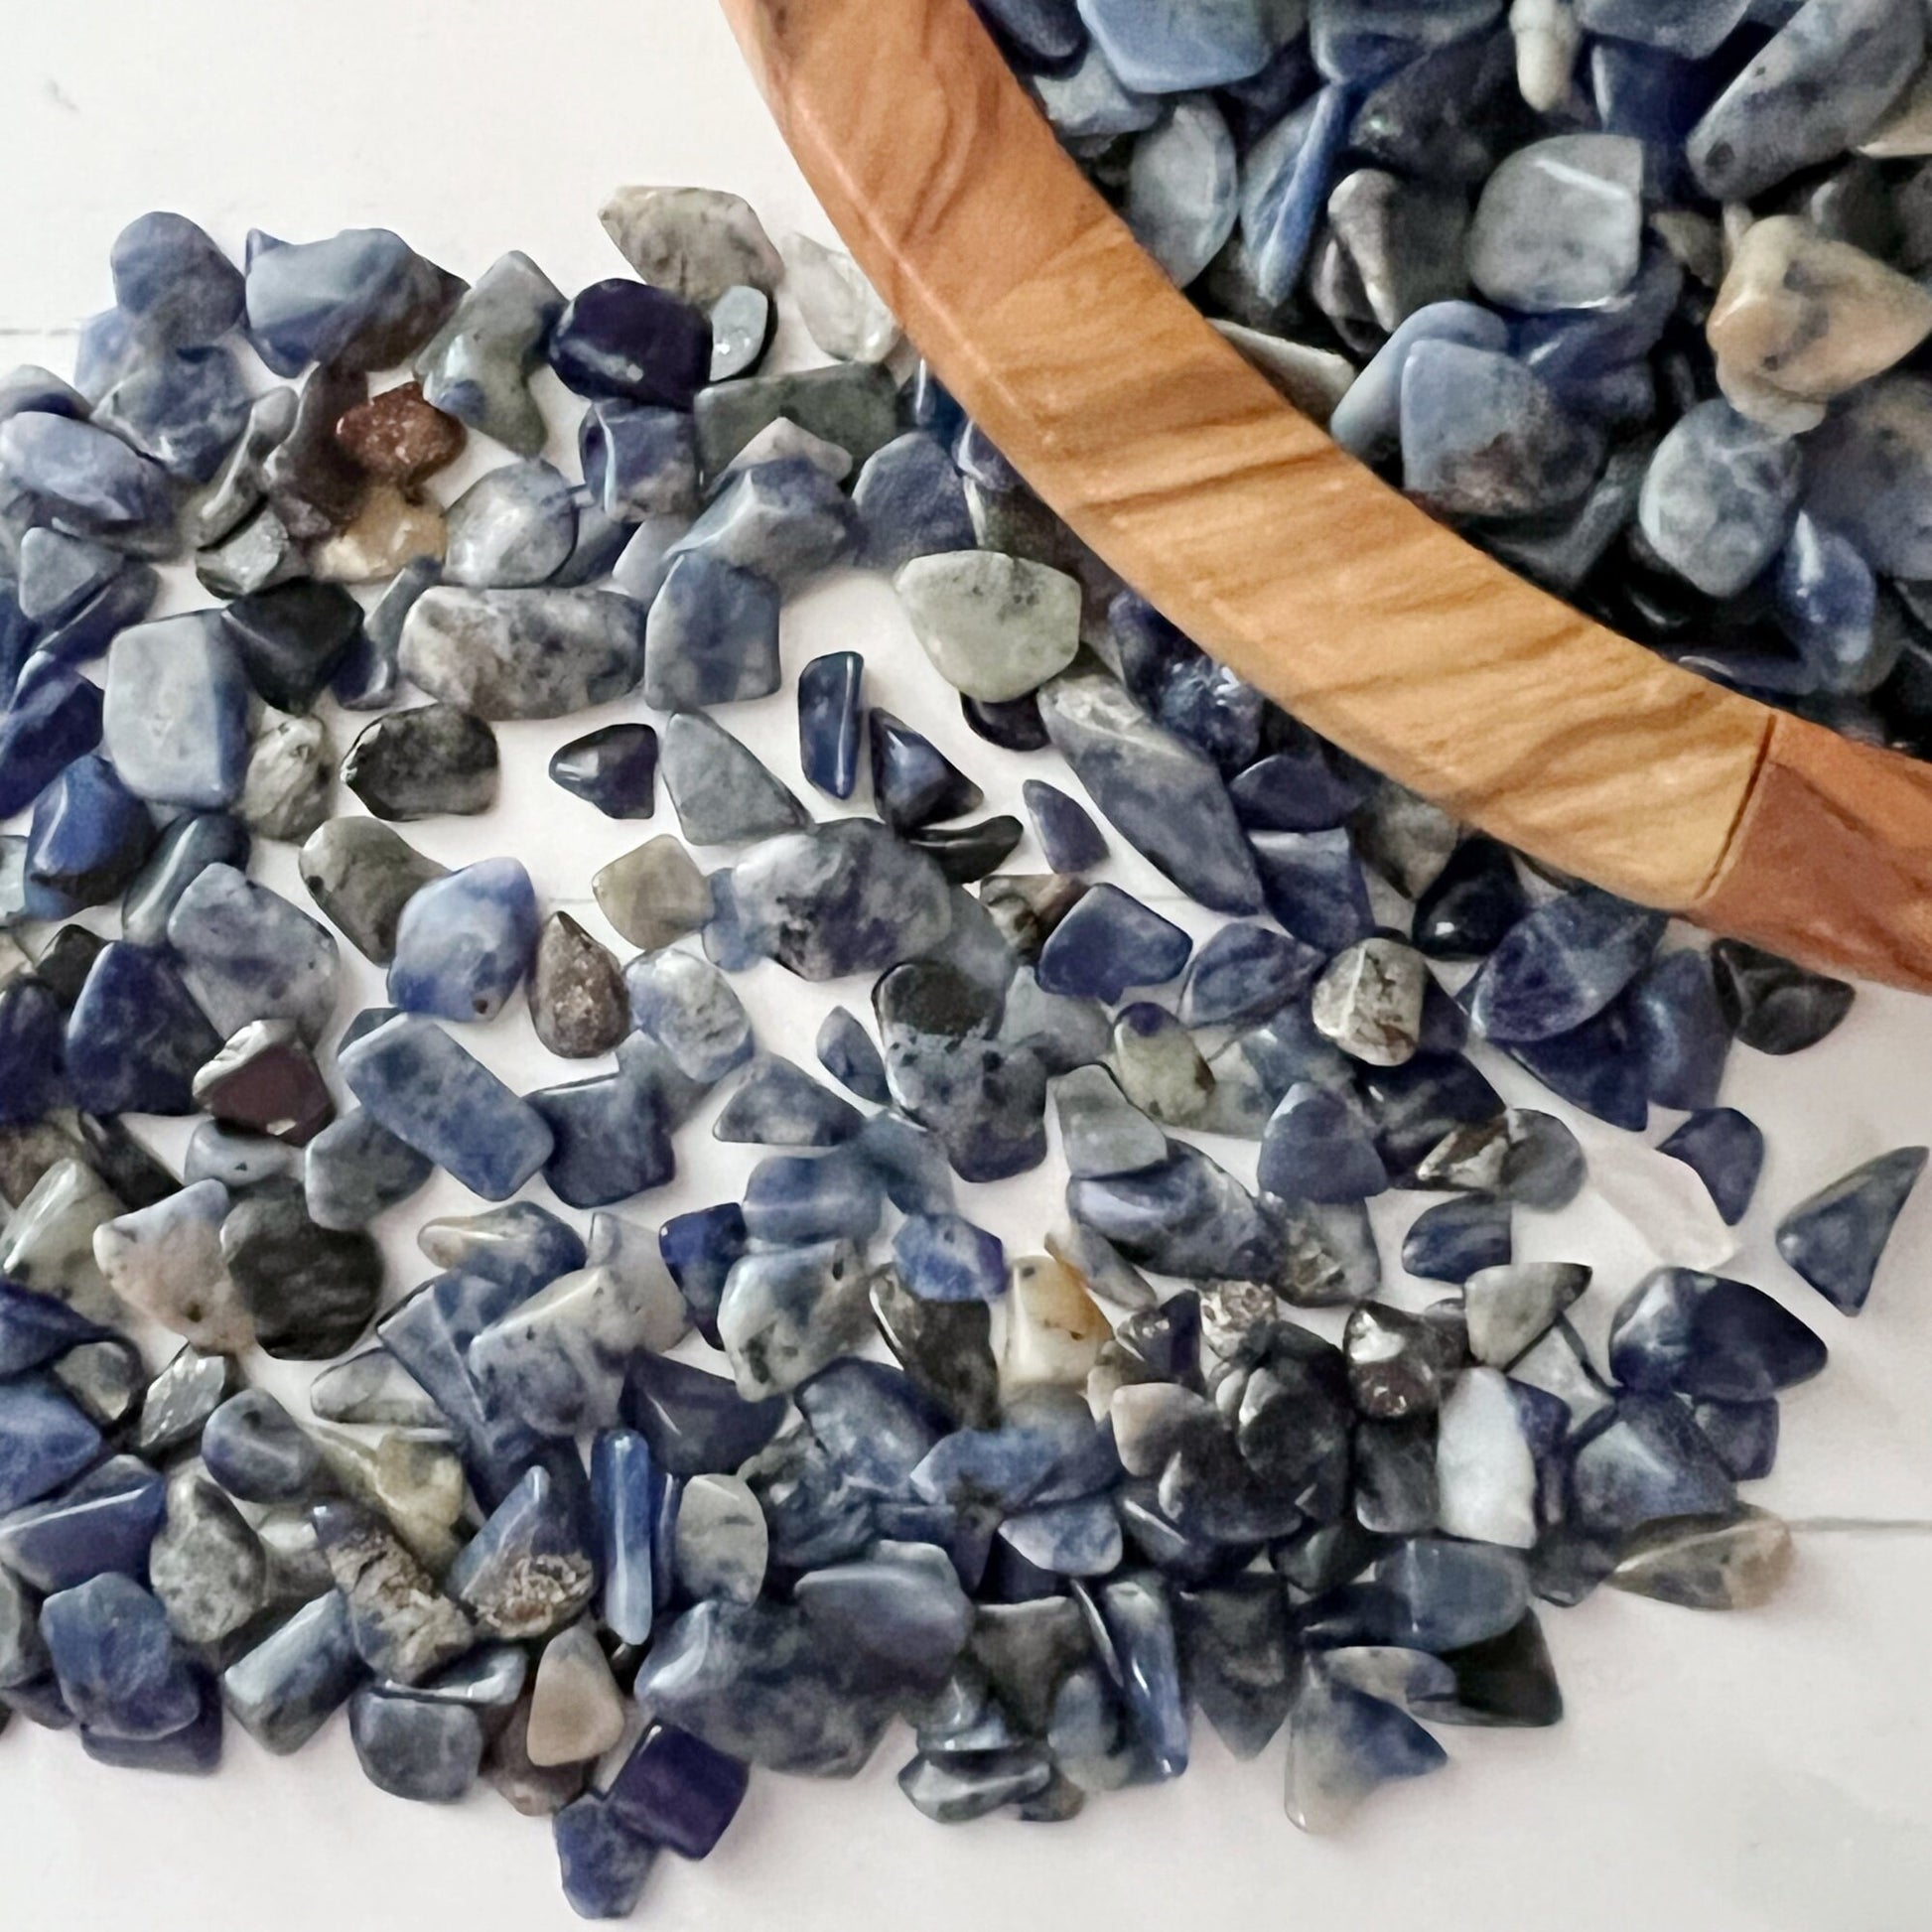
[[1291, 562]]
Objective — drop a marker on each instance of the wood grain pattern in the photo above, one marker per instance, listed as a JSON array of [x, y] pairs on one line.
[[1285, 558]]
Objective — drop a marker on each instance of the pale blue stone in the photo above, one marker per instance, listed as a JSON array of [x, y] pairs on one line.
[[512, 529], [522, 1247], [785, 522], [910, 1164], [1182, 189], [427, 1091], [355, 1170], [411, 1749], [528, 1571], [477, 366], [624, 1492], [89, 479], [910, 504], [722, 792], [257, 1451], [685, 1003], [1284, 182], [1720, 498], [1158, 47], [1343, 1746], [1560, 224], [639, 460], [1482, 436], [175, 714], [796, 1198], [779, 1104], [1868, 475], [944, 1258], [786, 1313], [289, 1686], [360, 299], [1819, 87], [247, 954], [464, 942], [846, 1051], [1828, 605], [1367, 422], [173, 283], [712, 636], [1184, 1216], [1089, 102], [1074, 1539], [58, 573]]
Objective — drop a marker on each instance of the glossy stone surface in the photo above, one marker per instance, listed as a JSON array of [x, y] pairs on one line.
[[476, 367], [105, 1521], [1772, 1004], [1836, 1237], [285, 1689], [136, 1036], [465, 941], [528, 1571], [248, 954], [1717, 1562], [423, 763], [362, 874], [166, 1262], [1719, 498], [1109, 942], [1561, 966], [1726, 1151], [175, 714], [722, 794], [119, 1667]]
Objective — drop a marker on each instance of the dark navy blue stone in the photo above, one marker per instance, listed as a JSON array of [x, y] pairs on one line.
[[90, 835], [793, 1199], [1774, 1004], [194, 1751], [182, 409], [47, 729], [696, 1422], [1134, 1633], [1656, 96], [712, 636], [638, 461], [176, 287], [602, 1862], [1680, 1029], [632, 342], [542, 1529], [360, 299], [1042, 33], [136, 1038], [1414, 1105], [1244, 974], [1319, 1147], [924, 401], [36, 1328], [105, 1521], [1744, 1435], [1216, 712], [33, 1029], [699, 1249], [910, 504], [1452, 1240], [89, 478], [942, 1258], [1071, 839], [257, 1451], [1475, 900], [123, 601], [914, 782], [981, 458], [1838, 1237], [365, 675], [1314, 885], [966, 854], [1305, 787], [1649, 1460], [1109, 942], [1286, 182], [1726, 1151], [1700, 1334], [1015, 724], [779, 1104], [120, 1670], [289, 1686], [17, 635], [65, 961], [1561, 966], [625, 1489], [614, 769], [416, 1749], [847, 1052], [1599, 1068], [828, 721], [289, 638], [611, 1139], [676, 1791]]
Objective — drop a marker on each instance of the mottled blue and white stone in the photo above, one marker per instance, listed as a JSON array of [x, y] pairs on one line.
[[522, 653], [1720, 498], [464, 942], [248, 954], [1560, 224], [174, 715]]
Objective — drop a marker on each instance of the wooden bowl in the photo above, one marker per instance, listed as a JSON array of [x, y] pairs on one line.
[[1288, 561]]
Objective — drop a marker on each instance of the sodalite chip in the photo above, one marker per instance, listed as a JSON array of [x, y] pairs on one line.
[[464, 942], [1837, 1238], [523, 653], [1560, 224], [174, 715]]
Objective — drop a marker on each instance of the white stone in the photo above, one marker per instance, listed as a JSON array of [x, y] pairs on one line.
[[1508, 1308], [1486, 1475], [1054, 1328], [994, 627], [1548, 40], [842, 311], [1560, 224], [1369, 999], [48, 1248], [722, 1544], [577, 1711], [165, 1261]]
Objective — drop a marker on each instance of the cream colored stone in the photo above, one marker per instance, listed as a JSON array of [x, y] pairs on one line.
[[388, 531], [1054, 1328], [575, 1708]]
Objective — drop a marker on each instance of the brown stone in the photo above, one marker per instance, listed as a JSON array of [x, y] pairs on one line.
[[577, 998], [398, 437]]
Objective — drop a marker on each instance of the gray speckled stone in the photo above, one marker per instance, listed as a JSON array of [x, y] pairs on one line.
[[523, 654]]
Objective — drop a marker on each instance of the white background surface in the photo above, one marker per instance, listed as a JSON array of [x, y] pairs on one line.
[[1723, 1774]]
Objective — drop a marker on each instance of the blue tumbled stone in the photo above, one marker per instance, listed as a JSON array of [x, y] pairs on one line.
[[124, 599], [1071, 1539], [910, 504], [614, 769], [58, 720], [182, 409], [90, 835], [257, 1451], [1038, 33], [464, 942], [828, 721], [289, 1686], [430, 1092], [1699, 1334], [1109, 942], [176, 712], [1314, 885], [1455, 1239], [1726, 1151], [528, 1571], [602, 1862], [630, 343], [1068, 836], [522, 1247], [1561, 966], [414, 1749], [1184, 1216], [699, 1249], [58, 573], [1245, 973], [136, 1038], [1318, 1146], [1134, 1633], [1828, 605], [609, 1139], [1305, 787], [943, 1258], [1285, 184], [696, 1422], [639, 460], [848, 1053], [1718, 498], [792, 1199], [36, 1328], [675, 1790], [784, 521], [120, 1670], [193, 1751], [1414, 1105], [901, 1608], [1343, 1745], [1681, 1030], [355, 1170], [360, 299], [624, 1492], [1837, 1238], [92, 480], [779, 1104], [102, 1522], [1650, 1462], [33, 1026], [875, 1422], [1743, 1434], [1597, 1067], [1161, 49], [173, 283], [914, 782], [685, 1003], [910, 1164], [1473, 902], [1367, 422], [712, 636]]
